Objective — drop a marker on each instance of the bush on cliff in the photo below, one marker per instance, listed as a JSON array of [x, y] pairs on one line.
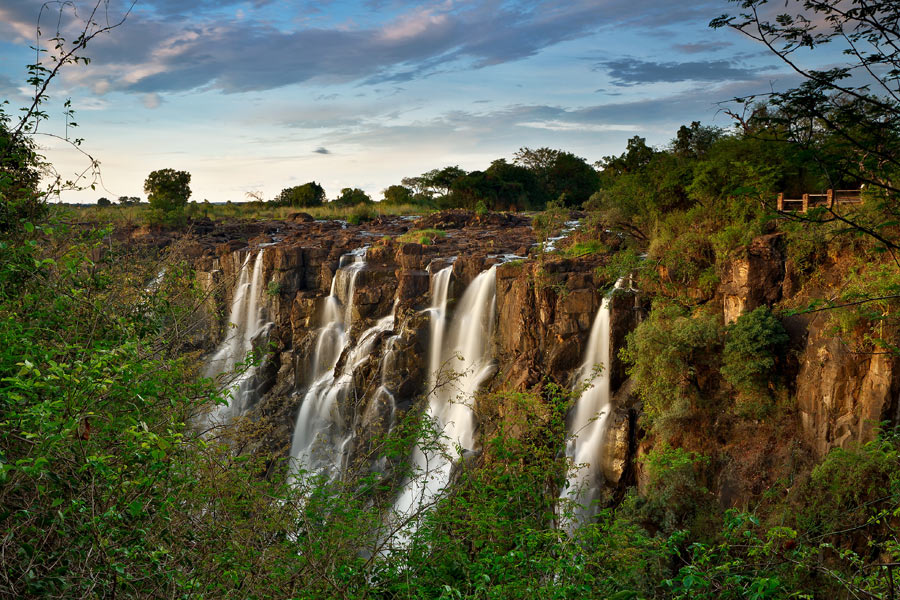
[[754, 344], [672, 357]]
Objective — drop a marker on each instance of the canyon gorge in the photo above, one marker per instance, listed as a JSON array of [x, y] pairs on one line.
[[353, 327]]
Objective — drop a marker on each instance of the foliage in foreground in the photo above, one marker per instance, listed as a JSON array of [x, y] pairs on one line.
[[106, 490]]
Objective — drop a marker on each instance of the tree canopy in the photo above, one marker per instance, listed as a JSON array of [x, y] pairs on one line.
[[302, 196], [352, 197], [168, 191], [398, 195], [19, 178]]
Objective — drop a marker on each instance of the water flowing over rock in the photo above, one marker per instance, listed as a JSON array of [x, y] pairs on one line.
[[247, 326], [460, 361], [587, 424], [320, 426], [355, 340]]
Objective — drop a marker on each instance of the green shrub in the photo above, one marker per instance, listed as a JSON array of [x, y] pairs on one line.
[[682, 247], [671, 355], [850, 487], [20, 199], [361, 213], [587, 248], [426, 237], [753, 345], [675, 495]]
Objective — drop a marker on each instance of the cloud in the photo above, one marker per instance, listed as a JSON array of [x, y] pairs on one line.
[[572, 126], [700, 47], [165, 47], [180, 7], [322, 150], [633, 71], [151, 100], [9, 90]]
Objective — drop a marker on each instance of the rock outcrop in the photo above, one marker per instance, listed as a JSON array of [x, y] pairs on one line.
[[843, 396], [754, 279]]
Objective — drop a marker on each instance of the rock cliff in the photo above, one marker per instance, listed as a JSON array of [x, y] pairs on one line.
[[545, 306]]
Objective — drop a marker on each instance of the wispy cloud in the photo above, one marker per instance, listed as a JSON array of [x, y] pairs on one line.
[[633, 71], [151, 100], [169, 48], [571, 126]]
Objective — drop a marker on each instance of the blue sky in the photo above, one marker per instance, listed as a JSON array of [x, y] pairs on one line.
[[257, 96]]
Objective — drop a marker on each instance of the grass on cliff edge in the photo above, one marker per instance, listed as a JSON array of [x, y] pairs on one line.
[[426, 237], [138, 215]]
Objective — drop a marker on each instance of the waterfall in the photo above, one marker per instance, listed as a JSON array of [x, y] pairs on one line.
[[334, 331], [321, 433], [245, 323], [437, 322], [587, 424], [459, 362]]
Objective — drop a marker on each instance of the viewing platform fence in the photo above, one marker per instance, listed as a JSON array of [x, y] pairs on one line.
[[831, 198]]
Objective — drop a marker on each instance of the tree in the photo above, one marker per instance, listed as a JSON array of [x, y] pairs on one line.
[[397, 195], [847, 114], [352, 197], [104, 202], [418, 185], [168, 191], [637, 156], [128, 200], [696, 140], [573, 177], [521, 187], [440, 181], [303, 196], [539, 160], [559, 173]]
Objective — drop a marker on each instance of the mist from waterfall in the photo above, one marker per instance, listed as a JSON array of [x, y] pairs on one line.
[[588, 420], [245, 322], [459, 362]]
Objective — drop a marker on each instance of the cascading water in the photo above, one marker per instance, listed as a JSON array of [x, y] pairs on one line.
[[587, 424], [321, 432], [245, 323], [460, 361]]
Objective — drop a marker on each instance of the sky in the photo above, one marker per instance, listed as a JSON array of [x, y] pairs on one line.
[[254, 96]]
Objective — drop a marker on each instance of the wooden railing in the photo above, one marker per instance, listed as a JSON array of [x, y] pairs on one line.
[[829, 199]]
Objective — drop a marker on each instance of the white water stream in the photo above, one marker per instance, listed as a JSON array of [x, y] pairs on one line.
[[245, 323], [322, 432], [587, 425], [459, 362]]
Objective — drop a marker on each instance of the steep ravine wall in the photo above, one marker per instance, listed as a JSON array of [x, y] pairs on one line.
[[841, 395], [544, 314]]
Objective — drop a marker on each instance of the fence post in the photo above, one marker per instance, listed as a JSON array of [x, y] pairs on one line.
[[805, 203], [830, 198], [781, 202]]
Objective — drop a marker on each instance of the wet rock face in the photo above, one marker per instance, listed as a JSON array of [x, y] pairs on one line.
[[841, 395], [545, 310], [627, 308], [302, 257]]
